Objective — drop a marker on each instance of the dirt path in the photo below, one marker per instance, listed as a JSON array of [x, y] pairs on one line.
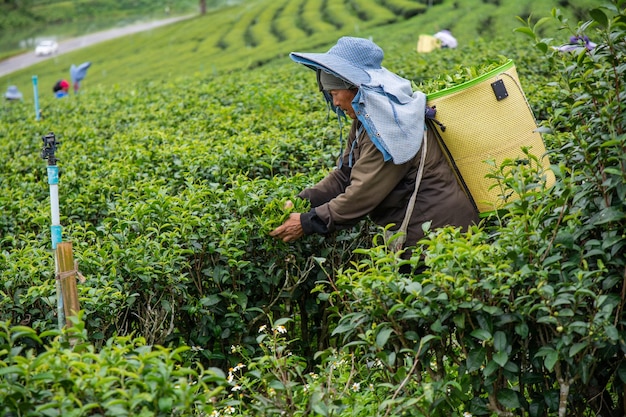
[[27, 59]]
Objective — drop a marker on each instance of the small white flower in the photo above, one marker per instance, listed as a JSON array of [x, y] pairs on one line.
[[239, 367], [229, 410], [467, 414], [281, 329], [236, 388], [356, 386], [215, 413], [262, 328], [337, 364]]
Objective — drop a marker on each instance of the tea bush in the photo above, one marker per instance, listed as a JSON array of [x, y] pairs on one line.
[[125, 376]]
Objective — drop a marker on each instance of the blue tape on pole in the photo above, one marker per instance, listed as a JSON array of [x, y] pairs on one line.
[[53, 174], [56, 232]]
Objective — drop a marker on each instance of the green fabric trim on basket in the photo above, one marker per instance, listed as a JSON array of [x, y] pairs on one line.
[[441, 93]]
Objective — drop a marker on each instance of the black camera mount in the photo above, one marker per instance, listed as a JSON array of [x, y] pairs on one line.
[[50, 144]]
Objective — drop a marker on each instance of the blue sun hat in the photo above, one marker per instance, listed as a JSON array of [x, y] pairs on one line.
[[391, 112], [13, 93], [349, 59]]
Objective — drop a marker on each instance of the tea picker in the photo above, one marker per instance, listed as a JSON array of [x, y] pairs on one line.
[[78, 73], [66, 269]]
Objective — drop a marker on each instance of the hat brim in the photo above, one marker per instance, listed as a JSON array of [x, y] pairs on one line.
[[332, 64]]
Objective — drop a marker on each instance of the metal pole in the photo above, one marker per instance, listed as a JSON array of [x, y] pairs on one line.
[[49, 147], [36, 93]]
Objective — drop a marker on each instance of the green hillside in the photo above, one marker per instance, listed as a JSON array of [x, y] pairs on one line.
[[256, 32]]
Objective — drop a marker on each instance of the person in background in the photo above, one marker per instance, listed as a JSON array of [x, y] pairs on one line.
[[78, 73], [446, 38], [61, 89], [13, 94], [392, 168], [577, 44]]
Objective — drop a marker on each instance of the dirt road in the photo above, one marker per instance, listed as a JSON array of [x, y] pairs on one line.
[[27, 59]]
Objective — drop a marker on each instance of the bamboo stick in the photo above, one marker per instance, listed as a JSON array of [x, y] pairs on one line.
[[67, 277]]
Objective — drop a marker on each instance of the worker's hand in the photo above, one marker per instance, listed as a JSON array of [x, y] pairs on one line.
[[290, 230]]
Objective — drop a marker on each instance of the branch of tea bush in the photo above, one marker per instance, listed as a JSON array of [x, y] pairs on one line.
[[286, 291]]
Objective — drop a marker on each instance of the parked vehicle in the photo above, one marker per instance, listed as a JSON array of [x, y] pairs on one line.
[[47, 47]]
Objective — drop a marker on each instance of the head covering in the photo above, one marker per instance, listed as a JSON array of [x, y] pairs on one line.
[[13, 93], [330, 82], [61, 85], [78, 73], [446, 38], [577, 44], [385, 104], [350, 59]]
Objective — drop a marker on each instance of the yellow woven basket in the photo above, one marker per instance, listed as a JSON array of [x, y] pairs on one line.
[[427, 43], [487, 118]]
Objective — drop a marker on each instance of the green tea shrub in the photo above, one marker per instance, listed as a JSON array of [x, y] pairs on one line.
[[314, 18], [404, 8], [126, 376], [57, 373], [278, 381]]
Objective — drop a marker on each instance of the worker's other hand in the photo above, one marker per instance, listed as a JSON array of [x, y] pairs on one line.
[[290, 230]]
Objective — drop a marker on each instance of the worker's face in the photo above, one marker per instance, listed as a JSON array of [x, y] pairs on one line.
[[343, 100]]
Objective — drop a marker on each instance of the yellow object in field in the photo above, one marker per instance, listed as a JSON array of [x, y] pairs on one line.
[[427, 43], [488, 118]]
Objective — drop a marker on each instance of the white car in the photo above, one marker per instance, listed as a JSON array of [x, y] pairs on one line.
[[46, 48]]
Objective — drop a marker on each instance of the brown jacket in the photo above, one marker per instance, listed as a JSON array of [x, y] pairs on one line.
[[381, 190]]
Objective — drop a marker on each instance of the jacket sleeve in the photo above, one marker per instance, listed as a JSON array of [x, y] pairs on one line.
[[370, 180], [328, 188]]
